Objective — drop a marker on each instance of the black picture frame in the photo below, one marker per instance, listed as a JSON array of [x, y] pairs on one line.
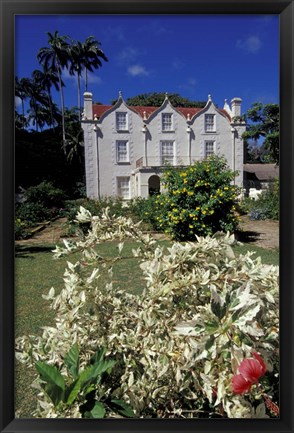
[[285, 10]]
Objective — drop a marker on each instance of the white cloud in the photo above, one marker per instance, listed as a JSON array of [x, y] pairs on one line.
[[252, 44], [136, 70], [17, 101]]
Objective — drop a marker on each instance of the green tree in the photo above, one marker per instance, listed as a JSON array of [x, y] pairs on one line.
[[47, 78], [264, 122], [55, 58], [74, 137], [155, 99], [22, 88], [85, 56]]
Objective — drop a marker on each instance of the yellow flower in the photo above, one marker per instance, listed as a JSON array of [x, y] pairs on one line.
[[185, 180], [204, 212], [191, 215], [190, 193], [190, 226], [197, 208]]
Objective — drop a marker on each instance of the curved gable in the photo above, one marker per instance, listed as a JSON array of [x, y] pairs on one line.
[[209, 105]]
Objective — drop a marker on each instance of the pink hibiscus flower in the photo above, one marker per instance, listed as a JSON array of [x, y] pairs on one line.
[[250, 370]]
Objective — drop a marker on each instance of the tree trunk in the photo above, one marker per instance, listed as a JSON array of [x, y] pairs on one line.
[[79, 95], [62, 111]]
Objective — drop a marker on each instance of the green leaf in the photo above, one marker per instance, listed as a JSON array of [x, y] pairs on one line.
[[99, 355], [101, 367], [71, 361], [98, 411], [211, 327], [122, 408], [54, 382], [72, 392]]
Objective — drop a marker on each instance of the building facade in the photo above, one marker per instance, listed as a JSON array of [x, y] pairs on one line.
[[127, 147]]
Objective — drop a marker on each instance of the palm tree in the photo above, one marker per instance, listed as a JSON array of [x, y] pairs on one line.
[[92, 54], [74, 135], [38, 104], [22, 91], [76, 67], [56, 57], [85, 56], [46, 79]]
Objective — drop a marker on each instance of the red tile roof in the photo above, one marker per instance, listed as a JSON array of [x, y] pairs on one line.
[[99, 110]]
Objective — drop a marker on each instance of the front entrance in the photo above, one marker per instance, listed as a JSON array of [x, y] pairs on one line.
[[154, 185]]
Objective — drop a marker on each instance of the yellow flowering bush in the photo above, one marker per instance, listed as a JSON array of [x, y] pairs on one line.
[[199, 200]]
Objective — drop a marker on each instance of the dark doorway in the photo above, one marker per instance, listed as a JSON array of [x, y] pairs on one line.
[[154, 185]]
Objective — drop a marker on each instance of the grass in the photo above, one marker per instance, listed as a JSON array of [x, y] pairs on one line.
[[37, 272]]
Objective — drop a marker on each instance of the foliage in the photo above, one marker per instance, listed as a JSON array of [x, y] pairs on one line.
[[258, 154], [42, 202], [178, 345], [87, 388], [267, 205], [264, 122], [21, 229], [32, 213], [96, 207], [145, 210], [38, 157], [155, 99], [199, 200], [45, 194]]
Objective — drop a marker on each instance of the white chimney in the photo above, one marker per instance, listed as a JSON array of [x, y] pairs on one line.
[[236, 107], [88, 106]]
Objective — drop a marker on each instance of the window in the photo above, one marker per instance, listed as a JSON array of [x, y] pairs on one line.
[[123, 187], [209, 122], [167, 122], [121, 121], [167, 152], [122, 151], [209, 148]]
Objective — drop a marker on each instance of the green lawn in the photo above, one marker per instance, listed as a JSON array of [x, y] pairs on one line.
[[36, 272]]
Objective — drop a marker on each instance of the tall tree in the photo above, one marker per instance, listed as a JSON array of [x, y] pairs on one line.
[[85, 56], [92, 56], [56, 57], [22, 91], [264, 121], [47, 78]]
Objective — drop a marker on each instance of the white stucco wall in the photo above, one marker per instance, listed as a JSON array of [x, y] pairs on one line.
[[101, 178]]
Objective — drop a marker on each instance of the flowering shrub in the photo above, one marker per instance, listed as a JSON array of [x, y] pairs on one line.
[[267, 206], [177, 346], [250, 371], [199, 200]]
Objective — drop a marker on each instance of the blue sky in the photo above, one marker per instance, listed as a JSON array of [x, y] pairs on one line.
[[193, 55]]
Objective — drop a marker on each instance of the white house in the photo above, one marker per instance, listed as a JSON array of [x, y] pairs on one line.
[[127, 147]]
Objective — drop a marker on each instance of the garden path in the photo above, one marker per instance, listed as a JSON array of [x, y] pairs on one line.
[[264, 234], [261, 233]]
